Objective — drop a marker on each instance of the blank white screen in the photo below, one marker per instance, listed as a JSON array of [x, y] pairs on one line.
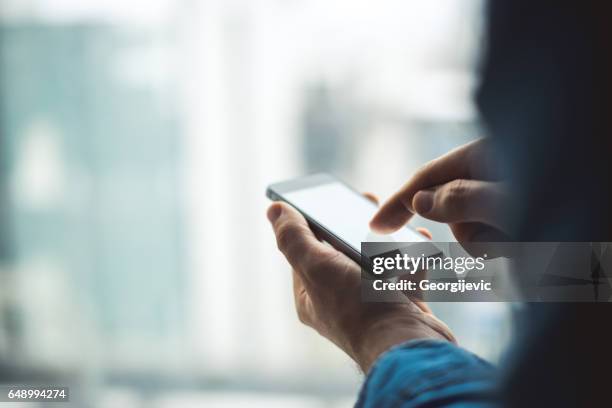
[[345, 213]]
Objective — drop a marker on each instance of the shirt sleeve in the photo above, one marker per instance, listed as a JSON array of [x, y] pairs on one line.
[[428, 373]]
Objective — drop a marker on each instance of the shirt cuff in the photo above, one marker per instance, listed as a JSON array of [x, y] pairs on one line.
[[428, 373]]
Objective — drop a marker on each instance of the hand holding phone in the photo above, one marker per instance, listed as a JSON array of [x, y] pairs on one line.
[[327, 290], [337, 213]]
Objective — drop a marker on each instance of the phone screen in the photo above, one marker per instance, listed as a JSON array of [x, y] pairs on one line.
[[344, 213]]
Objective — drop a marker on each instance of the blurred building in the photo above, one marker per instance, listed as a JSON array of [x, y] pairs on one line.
[[91, 166]]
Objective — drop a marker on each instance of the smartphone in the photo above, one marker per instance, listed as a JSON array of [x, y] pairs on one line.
[[337, 213]]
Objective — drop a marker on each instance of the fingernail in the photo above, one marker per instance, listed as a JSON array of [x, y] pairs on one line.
[[274, 212], [423, 201]]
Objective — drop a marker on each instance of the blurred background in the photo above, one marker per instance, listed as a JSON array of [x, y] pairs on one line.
[[136, 142]]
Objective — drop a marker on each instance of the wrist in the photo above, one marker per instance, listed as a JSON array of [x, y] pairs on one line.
[[383, 334]]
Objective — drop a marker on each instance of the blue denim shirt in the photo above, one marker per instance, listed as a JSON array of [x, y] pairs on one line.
[[428, 373]]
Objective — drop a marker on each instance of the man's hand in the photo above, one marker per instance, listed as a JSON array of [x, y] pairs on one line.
[[459, 188], [326, 286]]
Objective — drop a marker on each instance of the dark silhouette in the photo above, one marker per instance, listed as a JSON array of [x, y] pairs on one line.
[[546, 98]]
